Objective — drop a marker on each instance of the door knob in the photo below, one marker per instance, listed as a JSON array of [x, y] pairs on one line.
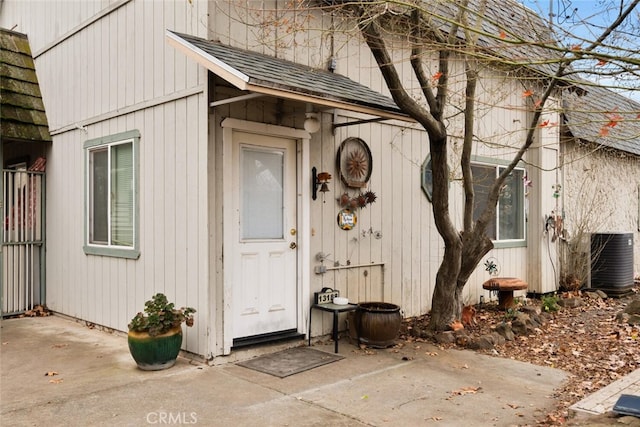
[[293, 245]]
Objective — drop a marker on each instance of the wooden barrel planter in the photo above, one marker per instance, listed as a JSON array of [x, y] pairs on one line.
[[377, 323]]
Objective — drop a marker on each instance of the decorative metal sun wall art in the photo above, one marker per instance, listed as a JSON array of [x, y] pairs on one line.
[[354, 162]]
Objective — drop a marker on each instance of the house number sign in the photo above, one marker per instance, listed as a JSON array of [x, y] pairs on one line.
[[325, 296]]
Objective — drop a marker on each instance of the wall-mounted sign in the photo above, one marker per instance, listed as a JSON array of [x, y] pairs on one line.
[[347, 219]]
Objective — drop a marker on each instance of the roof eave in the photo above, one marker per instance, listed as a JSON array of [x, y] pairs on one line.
[[243, 82]]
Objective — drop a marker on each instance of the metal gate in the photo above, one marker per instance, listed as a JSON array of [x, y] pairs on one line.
[[22, 240]]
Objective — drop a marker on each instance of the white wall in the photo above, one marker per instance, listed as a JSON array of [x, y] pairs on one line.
[[406, 258], [113, 75], [601, 192], [119, 74]]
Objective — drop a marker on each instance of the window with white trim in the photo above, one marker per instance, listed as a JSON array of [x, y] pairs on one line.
[[509, 223], [111, 184]]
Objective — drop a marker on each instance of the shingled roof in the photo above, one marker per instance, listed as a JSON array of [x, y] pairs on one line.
[[256, 72], [22, 111], [601, 116]]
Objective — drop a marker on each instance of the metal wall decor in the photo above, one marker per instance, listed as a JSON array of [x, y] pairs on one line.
[[353, 162], [347, 219]]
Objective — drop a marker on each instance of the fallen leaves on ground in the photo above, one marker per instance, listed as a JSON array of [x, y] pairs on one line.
[[586, 342], [37, 311]]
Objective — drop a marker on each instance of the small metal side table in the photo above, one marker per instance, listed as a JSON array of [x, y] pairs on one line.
[[336, 309]]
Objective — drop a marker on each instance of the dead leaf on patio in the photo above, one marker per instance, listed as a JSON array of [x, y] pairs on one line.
[[60, 345], [50, 373], [431, 353], [56, 381], [513, 405], [5, 343], [436, 418], [465, 390], [37, 311]]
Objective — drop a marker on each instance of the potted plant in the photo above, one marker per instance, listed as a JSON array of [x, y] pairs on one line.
[[155, 335]]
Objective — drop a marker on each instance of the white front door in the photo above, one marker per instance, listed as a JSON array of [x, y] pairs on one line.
[[264, 235]]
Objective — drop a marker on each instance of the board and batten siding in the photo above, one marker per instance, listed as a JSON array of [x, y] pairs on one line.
[[104, 70], [394, 252]]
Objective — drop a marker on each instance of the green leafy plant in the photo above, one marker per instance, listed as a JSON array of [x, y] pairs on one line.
[[160, 316], [510, 314], [550, 303]]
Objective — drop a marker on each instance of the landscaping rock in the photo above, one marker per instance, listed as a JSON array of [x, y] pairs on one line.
[[519, 325], [446, 337], [622, 317], [570, 302], [498, 339], [504, 329], [634, 319], [462, 338], [633, 307], [530, 309], [593, 295], [486, 342]]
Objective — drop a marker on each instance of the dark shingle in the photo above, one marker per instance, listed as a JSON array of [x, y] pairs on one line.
[[589, 111], [22, 111], [267, 71]]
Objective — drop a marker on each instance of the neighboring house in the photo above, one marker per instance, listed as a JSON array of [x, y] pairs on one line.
[[24, 137], [600, 169], [205, 127]]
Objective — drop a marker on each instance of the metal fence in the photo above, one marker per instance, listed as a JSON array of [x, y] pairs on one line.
[[22, 241]]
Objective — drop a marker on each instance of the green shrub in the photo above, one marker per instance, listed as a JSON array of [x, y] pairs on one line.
[[550, 303]]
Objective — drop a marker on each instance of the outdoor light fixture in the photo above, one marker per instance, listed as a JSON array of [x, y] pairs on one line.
[[311, 123], [319, 179]]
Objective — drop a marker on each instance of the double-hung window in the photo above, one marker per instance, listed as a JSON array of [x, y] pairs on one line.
[[111, 195], [508, 226]]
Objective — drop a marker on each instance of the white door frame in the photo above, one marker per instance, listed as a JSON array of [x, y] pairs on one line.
[[303, 177]]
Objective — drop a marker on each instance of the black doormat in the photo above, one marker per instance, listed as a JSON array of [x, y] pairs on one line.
[[291, 361]]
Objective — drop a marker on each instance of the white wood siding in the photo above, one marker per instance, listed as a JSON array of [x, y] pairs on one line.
[[118, 74], [404, 261], [114, 75]]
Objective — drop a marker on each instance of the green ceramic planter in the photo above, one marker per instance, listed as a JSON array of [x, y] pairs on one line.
[[155, 353]]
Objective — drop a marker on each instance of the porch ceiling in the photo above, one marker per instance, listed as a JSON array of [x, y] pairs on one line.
[[264, 74]]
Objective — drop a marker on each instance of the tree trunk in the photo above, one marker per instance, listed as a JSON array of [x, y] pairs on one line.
[[447, 296]]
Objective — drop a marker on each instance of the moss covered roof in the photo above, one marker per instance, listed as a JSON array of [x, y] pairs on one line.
[[22, 114]]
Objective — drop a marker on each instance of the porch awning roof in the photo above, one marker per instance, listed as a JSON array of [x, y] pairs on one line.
[[264, 74]]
